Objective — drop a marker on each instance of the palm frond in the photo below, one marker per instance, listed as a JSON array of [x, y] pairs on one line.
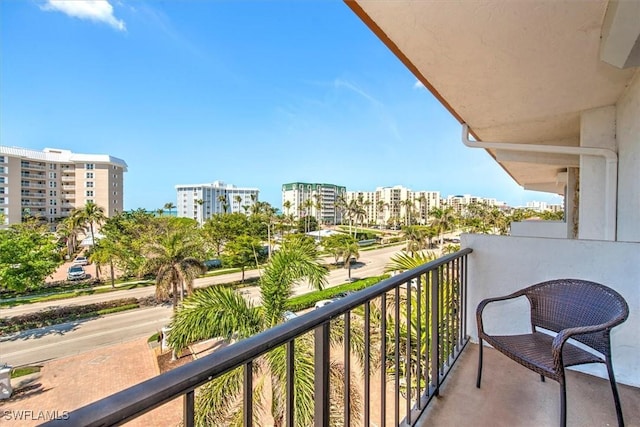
[[214, 312], [405, 261]]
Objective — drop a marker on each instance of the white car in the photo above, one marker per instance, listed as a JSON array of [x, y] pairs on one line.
[[323, 302], [76, 272], [81, 260]]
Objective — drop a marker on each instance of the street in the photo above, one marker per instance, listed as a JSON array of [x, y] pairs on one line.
[[38, 345]]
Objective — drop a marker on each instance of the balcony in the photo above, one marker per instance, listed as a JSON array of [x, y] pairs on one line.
[[35, 166], [68, 187], [38, 176], [438, 300], [31, 195], [68, 178]]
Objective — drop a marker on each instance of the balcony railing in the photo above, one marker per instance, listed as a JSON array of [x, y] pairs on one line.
[[414, 324]]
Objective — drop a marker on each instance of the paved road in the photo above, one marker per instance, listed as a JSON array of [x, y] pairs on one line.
[[31, 347], [38, 345], [371, 263]]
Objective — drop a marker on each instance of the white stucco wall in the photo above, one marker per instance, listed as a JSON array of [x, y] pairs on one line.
[[500, 265], [556, 229], [628, 138], [597, 129]]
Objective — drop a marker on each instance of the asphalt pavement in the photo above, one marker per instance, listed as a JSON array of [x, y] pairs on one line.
[[38, 345]]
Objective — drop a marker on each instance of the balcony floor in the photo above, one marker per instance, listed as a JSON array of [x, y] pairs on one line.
[[512, 395]]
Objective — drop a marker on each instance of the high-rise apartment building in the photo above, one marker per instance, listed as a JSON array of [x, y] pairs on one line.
[[395, 205], [50, 184], [460, 203], [317, 200], [201, 201]]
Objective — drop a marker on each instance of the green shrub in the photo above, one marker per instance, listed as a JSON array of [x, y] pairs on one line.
[[305, 301]]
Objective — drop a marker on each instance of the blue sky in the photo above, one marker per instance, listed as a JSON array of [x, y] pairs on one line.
[[252, 93]]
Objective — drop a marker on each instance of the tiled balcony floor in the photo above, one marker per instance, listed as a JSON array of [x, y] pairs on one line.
[[512, 395]]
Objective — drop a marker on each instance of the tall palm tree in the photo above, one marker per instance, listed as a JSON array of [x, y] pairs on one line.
[[287, 206], [221, 312], [69, 228], [444, 219], [171, 258], [90, 215], [222, 198], [170, 207]]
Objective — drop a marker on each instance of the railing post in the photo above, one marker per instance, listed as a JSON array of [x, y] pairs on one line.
[[188, 416], [248, 394], [321, 395], [435, 335]]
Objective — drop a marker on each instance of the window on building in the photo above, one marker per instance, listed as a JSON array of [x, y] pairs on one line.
[[52, 202], [53, 184], [89, 166], [89, 184], [52, 175], [115, 193], [53, 166], [53, 211], [89, 193], [115, 176], [115, 184], [53, 193], [115, 202], [2, 169], [3, 180], [2, 159], [89, 175], [2, 201]]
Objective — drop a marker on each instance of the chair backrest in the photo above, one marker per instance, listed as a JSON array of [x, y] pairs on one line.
[[569, 303]]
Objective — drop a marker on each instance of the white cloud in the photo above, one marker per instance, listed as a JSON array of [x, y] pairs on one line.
[[93, 10], [418, 85]]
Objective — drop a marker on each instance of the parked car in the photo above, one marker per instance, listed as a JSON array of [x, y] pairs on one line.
[[81, 260], [323, 302], [76, 272], [212, 263], [288, 315]]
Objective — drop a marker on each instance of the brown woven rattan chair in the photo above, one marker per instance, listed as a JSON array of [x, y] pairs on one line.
[[578, 309]]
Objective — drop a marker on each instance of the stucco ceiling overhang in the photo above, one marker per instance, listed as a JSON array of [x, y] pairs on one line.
[[514, 71]]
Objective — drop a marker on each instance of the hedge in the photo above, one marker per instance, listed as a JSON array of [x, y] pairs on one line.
[[62, 314], [305, 301]]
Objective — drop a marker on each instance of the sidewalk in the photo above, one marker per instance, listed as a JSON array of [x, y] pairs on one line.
[[69, 383]]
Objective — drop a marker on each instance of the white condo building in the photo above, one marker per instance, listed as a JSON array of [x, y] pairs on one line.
[[387, 205], [51, 183], [317, 200], [202, 201]]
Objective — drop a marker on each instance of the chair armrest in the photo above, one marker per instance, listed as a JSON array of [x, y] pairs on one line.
[[484, 303], [561, 338]]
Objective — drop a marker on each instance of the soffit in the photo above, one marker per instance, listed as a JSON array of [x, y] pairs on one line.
[[519, 71]]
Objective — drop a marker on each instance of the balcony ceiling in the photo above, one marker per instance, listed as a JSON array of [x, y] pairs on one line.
[[519, 71]]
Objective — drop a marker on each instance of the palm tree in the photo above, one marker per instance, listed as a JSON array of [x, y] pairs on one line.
[[287, 206], [380, 206], [104, 253], [91, 215], [222, 199], [221, 312], [170, 207], [69, 228], [443, 220], [171, 259]]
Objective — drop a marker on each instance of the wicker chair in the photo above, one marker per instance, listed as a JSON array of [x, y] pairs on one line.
[[578, 309]]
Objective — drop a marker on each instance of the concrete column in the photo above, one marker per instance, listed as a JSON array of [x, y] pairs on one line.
[[597, 129], [572, 202]]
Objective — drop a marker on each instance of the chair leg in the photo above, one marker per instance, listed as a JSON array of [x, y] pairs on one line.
[[614, 388], [563, 404], [479, 363]]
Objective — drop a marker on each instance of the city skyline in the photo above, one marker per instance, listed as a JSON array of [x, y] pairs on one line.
[[250, 93]]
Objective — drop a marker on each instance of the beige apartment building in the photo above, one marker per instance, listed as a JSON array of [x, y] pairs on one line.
[[49, 184], [395, 205]]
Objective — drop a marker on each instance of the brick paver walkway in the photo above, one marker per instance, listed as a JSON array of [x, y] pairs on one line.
[[72, 382]]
